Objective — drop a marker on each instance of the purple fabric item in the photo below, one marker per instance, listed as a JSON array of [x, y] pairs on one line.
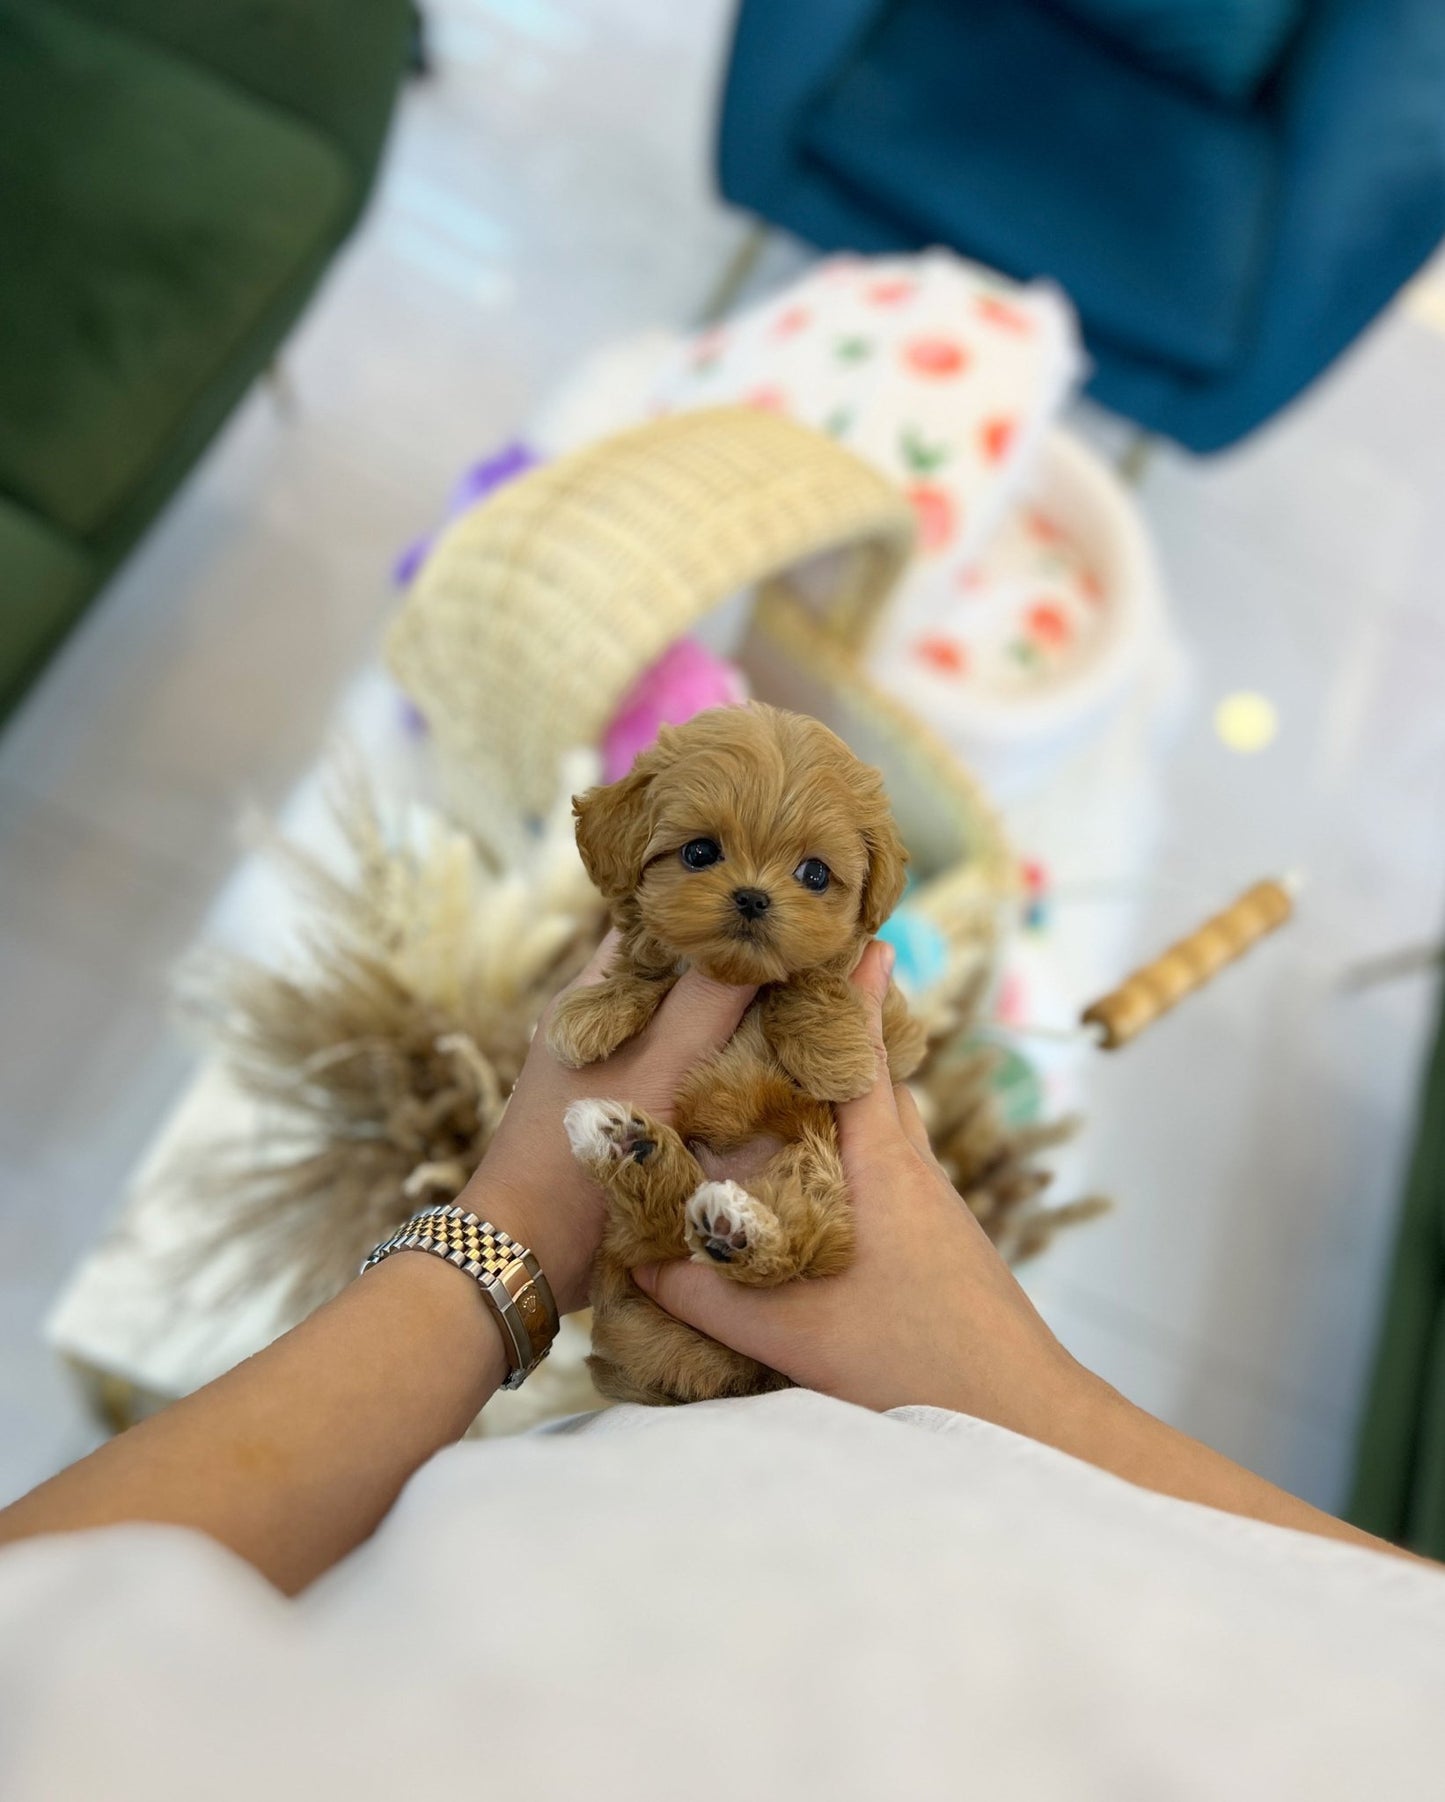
[[413, 720], [475, 484]]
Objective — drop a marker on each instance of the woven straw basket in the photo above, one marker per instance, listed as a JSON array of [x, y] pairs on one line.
[[539, 609]]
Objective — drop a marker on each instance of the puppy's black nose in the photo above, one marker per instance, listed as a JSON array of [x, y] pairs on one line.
[[752, 903]]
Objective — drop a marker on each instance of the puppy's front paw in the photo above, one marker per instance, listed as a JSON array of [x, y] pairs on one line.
[[605, 1134], [852, 1070], [587, 1027], [839, 1066], [726, 1225]]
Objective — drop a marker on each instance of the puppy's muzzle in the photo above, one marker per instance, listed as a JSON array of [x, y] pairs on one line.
[[752, 903]]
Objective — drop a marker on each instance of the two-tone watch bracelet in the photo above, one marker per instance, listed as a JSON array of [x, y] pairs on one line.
[[507, 1274]]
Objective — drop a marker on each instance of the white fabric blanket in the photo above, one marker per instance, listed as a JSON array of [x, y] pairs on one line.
[[781, 1597]]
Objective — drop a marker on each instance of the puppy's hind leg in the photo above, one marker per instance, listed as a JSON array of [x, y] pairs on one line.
[[640, 1354], [648, 1174], [794, 1221]]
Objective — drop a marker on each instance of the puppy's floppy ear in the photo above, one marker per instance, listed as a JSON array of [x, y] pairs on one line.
[[887, 858], [613, 826], [887, 872]]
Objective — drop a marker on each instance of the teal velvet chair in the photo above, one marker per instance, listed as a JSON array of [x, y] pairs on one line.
[[1230, 190], [175, 176]]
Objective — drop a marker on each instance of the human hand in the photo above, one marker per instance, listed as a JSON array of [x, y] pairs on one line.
[[927, 1312], [529, 1183]]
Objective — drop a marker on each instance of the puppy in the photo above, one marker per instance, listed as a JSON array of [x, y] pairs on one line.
[[750, 844]]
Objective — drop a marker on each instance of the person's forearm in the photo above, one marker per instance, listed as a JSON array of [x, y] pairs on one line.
[[293, 1458], [1097, 1424]]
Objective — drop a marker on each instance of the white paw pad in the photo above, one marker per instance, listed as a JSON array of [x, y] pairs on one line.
[[606, 1132], [723, 1221]]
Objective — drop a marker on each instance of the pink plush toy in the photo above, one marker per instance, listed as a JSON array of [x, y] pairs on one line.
[[686, 679]]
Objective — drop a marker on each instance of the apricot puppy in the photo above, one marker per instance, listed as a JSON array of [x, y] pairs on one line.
[[752, 845]]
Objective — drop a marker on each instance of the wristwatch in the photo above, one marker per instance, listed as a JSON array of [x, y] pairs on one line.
[[507, 1274]]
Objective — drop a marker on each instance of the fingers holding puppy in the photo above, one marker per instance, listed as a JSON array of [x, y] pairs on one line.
[[698, 1016], [874, 1107]]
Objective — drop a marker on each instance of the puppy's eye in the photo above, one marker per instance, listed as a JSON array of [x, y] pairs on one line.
[[698, 853], [813, 873]]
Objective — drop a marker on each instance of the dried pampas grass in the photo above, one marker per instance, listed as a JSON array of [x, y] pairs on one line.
[[995, 1165], [380, 1062]]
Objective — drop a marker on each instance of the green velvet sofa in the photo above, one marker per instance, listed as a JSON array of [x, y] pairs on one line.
[[175, 176]]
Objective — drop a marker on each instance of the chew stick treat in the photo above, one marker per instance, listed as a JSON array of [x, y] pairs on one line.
[[1150, 992]]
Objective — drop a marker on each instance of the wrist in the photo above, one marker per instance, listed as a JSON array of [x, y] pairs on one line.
[[1043, 1393], [543, 1227], [424, 1294], [507, 1275], [1079, 1413]]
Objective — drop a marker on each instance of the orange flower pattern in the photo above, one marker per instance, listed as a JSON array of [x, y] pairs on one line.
[[1047, 624], [1003, 314], [937, 514], [947, 655], [996, 437], [1022, 611], [935, 359]]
